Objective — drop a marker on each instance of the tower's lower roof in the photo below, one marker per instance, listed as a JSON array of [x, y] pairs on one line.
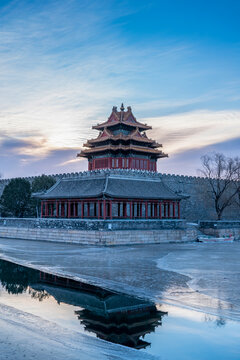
[[124, 184]]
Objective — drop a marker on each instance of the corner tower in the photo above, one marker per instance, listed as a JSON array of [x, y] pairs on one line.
[[122, 143]]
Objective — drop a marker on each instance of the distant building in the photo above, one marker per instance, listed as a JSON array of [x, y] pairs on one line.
[[122, 182]]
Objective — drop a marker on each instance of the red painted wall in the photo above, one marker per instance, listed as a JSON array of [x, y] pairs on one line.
[[122, 163]]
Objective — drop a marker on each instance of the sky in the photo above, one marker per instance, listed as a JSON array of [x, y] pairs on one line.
[[65, 63]]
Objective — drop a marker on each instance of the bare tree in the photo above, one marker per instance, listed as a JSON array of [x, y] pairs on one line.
[[223, 176], [237, 198]]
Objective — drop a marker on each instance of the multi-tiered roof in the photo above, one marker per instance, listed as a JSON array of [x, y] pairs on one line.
[[122, 143], [107, 193]]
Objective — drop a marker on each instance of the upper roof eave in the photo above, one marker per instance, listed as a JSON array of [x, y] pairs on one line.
[[128, 123], [117, 137]]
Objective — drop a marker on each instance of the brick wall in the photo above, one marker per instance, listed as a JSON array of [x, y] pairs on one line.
[[82, 232]]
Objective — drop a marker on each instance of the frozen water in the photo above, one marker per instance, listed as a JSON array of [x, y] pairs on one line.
[[214, 272], [201, 276], [204, 277]]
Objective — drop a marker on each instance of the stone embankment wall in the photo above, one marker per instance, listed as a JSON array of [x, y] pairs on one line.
[[199, 206], [97, 232], [220, 228]]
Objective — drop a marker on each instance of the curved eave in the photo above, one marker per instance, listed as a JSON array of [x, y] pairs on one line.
[[94, 142], [113, 123], [121, 148], [92, 196], [112, 196], [37, 195], [82, 154]]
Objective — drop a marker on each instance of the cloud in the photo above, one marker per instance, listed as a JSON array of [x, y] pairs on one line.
[[26, 157], [194, 130], [61, 74], [189, 162], [63, 65]]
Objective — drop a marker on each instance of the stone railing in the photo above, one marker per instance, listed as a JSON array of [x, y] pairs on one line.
[[92, 224], [221, 228]]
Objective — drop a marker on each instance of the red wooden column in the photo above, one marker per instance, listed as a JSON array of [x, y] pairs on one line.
[[52, 209], [131, 210], [88, 209], [56, 208], [99, 209], [146, 210], [179, 209], [140, 210], [174, 210], [119, 209], [41, 209], [110, 209], [124, 209], [74, 209], [160, 210], [169, 208], [46, 209], [104, 209], [164, 209], [69, 209], [82, 209], [62, 209]]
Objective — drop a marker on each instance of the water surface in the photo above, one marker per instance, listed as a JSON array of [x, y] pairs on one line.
[[166, 331]]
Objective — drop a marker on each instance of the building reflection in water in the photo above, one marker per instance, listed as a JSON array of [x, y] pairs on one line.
[[125, 325], [111, 316]]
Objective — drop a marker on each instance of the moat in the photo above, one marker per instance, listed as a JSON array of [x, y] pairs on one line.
[[119, 318]]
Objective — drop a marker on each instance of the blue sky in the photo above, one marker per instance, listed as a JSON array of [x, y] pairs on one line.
[[64, 64]]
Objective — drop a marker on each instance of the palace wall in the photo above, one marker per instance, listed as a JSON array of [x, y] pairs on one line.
[[200, 205]]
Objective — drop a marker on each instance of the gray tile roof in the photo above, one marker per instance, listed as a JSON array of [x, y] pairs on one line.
[[110, 185], [138, 189]]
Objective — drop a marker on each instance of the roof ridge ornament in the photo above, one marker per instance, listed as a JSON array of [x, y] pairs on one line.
[[122, 107]]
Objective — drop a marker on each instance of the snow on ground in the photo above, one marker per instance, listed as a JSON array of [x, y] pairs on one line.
[[24, 336]]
